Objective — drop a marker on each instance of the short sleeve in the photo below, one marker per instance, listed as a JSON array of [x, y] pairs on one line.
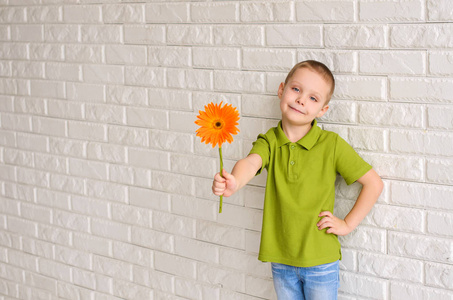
[[261, 147], [348, 162]]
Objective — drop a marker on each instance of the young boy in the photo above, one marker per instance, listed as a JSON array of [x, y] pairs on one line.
[[299, 233]]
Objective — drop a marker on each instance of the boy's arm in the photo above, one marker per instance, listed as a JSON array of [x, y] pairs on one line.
[[372, 186], [244, 170]]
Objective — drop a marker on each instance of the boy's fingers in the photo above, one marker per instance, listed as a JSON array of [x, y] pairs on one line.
[[218, 178], [226, 175]]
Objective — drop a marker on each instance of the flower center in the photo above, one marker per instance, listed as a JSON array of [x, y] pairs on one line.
[[218, 124]]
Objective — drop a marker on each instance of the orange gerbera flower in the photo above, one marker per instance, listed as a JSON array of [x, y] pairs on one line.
[[217, 124]]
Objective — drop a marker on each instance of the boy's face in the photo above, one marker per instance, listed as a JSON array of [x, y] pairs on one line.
[[303, 98]]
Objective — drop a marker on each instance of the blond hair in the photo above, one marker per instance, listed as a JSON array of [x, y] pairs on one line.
[[317, 67]]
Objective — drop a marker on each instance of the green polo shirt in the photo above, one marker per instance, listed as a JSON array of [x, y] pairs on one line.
[[300, 184]]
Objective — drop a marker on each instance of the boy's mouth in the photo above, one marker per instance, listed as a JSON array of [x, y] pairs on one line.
[[296, 110]]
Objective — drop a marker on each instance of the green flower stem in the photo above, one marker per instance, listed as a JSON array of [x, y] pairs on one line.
[[221, 174]]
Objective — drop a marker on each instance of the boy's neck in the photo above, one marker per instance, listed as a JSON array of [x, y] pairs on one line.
[[295, 133]]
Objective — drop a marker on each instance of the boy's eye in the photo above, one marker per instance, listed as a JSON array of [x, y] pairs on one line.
[[296, 90], [314, 99]]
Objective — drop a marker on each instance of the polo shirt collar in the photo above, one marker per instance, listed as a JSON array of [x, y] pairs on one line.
[[308, 141]]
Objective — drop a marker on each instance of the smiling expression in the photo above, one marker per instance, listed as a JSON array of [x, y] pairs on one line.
[[303, 98]]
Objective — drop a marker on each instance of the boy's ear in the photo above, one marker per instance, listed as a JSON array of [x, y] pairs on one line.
[[280, 90], [323, 111]]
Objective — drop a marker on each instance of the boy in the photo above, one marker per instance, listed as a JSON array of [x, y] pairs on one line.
[[299, 233]]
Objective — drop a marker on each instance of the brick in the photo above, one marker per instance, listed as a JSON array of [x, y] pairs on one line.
[[51, 89], [12, 15], [440, 223], [396, 115], [67, 184], [67, 147], [28, 70], [13, 51], [354, 36], [214, 12], [391, 11], [326, 11], [239, 81], [145, 76], [52, 198], [174, 142], [84, 92], [220, 234], [67, 72], [247, 218], [128, 136], [90, 207], [127, 95], [292, 35], [271, 59], [229, 279], [385, 266], [87, 131], [440, 117], [162, 242], [145, 34], [103, 74], [396, 218], [36, 213], [71, 221], [82, 53], [32, 177], [411, 168], [363, 286], [109, 114], [196, 250], [342, 112], [89, 169], [400, 290], [421, 36], [261, 106], [190, 79], [189, 35], [101, 34], [125, 213], [244, 262], [167, 13], [27, 33], [58, 33], [174, 224], [31, 142], [50, 163], [133, 254], [15, 157], [141, 197], [106, 152], [360, 88], [44, 14], [338, 61], [420, 246], [169, 56], [84, 278], [238, 35], [123, 13], [439, 10], [194, 207], [439, 171], [421, 89], [414, 142], [111, 267], [217, 58], [21, 226], [182, 122], [269, 11], [398, 63], [195, 290], [46, 52], [173, 183], [63, 109], [54, 235], [440, 63], [170, 99], [149, 118], [125, 54], [111, 230], [106, 190], [439, 275], [81, 14]]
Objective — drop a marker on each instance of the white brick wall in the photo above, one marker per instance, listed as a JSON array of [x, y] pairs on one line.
[[105, 190]]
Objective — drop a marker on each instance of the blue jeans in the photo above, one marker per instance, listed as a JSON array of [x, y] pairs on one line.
[[312, 283]]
